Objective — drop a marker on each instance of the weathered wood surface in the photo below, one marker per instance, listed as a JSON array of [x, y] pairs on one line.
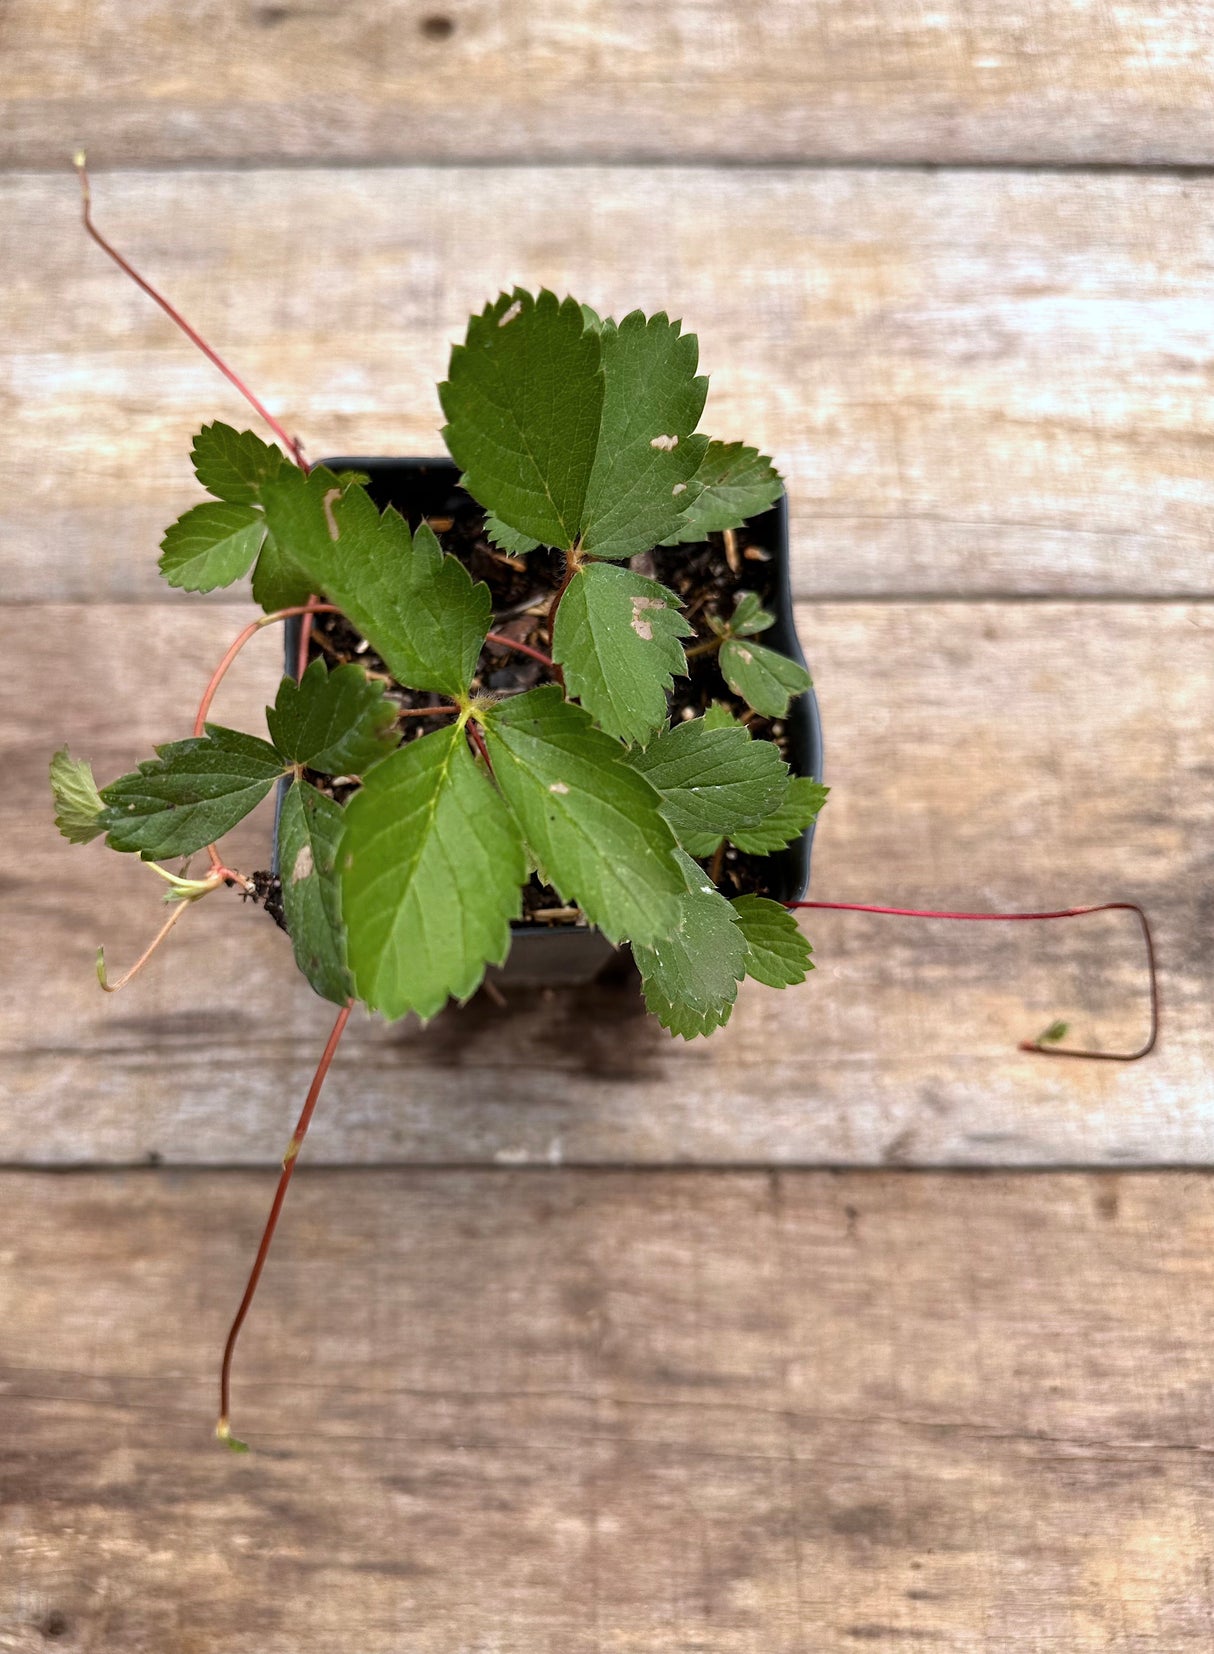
[[562, 1413], [142, 81], [975, 383], [1020, 756]]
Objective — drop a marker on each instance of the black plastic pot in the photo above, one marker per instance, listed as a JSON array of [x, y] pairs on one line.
[[569, 955]]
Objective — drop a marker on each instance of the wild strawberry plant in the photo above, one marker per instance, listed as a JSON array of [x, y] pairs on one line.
[[574, 433]]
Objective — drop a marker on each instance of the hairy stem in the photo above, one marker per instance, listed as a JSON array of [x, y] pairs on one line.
[[222, 1427], [289, 442], [1036, 1046]]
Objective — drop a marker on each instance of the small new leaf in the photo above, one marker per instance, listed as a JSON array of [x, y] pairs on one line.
[[764, 679], [431, 868], [776, 952], [190, 794], [799, 808], [1056, 1032], [749, 616], [733, 482], [591, 823], [211, 545], [690, 978], [617, 639], [309, 828], [335, 722], [417, 608], [78, 804], [712, 781], [232, 465]]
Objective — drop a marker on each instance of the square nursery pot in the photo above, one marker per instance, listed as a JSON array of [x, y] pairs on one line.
[[569, 955]]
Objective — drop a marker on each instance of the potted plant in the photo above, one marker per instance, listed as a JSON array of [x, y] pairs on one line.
[[533, 693]]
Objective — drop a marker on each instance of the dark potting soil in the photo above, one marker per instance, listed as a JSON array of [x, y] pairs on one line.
[[707, 576]]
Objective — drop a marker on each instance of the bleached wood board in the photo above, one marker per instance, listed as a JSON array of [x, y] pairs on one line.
[[982, 756], [976, 383], [143, 81], [576, 1413]]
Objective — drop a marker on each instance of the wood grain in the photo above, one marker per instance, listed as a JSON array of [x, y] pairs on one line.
[[560, 1413], [976, 383], [141, 81], [1020, 756]]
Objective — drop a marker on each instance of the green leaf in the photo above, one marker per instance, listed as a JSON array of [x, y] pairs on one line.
[[799, 808], [190, 794], [431, 869], [1054, 1033], [309, 828], [211, 545], [733, 483], [508, 539], [764, 679], [776, 951], [712, 780], [617, 639], [646, 454], [232, 465], [418, 609], [336, 722], [78, 804], [571, 430], [749, 616], [279, 582], [590, 821], [523, 401], [691, 977]]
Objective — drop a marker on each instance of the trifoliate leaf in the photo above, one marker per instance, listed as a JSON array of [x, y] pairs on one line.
[[733, 482], [279, 582], [190, 794], [523, 400], [508, 539], [798, 809], [712, 780], [776, 951], [749, 616], [336, 722], [571, 430], [232, 465], [431, 868], [646, 453], [691, 977], [211, 545], [78, 804], [765, 680], [590, 821], [617, 639], [417, 608], [309, 828]]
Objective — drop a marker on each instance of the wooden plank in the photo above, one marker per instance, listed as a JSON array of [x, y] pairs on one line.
[[558, 1413], [997, 756], [776, 79], [975, 383]]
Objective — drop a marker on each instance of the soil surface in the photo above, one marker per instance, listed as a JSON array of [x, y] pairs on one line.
[[707, 576]]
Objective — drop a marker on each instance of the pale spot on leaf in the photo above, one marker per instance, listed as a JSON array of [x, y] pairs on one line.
[[558, 787], [303, 864], [642, 627], [679, 488], [509, 315], [330, 519], [665, 443], [745, 656]]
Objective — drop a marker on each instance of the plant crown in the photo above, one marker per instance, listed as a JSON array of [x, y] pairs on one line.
[[575, 433]]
